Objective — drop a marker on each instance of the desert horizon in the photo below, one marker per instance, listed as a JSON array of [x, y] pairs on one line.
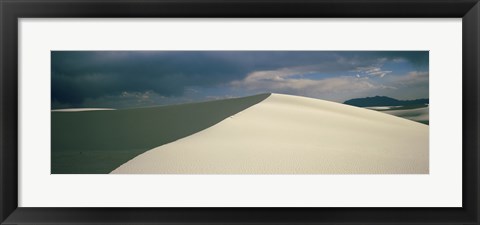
[[240, 112]]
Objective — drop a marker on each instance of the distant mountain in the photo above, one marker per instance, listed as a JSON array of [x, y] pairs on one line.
[[384, 101]]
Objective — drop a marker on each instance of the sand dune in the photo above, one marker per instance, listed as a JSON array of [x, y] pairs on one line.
[[89, 142], [294, 135], [382, 107], [419, 114]]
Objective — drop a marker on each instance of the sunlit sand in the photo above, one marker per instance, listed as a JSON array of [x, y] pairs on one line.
[[287, 134]]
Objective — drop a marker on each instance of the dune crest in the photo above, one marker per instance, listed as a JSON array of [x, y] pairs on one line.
[[287, 134]]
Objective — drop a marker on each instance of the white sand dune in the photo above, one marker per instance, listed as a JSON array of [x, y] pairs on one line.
[[295, 135], [79, 109], [420, 114], [382, 107]]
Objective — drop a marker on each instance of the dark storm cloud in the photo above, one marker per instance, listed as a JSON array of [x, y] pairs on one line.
[[81, 75], [417, 58], [78, 75]]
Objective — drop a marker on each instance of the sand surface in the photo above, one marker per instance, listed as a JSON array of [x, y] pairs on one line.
[[420, 114], [382, 107], [286, 134], [97, 142]]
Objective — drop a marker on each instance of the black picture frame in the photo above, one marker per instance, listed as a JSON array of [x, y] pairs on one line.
[[12, 10]]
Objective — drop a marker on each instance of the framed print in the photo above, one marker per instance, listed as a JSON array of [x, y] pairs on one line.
[[255, 112], [222, 125]]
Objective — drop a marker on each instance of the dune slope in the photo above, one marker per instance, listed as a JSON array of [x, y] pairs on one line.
[[294, 135], [99, 141], [417, 114]]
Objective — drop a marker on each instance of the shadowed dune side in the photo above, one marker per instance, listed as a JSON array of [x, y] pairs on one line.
[[287, 134], [91, 142]]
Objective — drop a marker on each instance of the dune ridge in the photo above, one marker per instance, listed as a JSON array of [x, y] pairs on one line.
[[286, 134]]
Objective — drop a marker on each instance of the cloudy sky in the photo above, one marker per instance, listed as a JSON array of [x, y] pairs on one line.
[[128, 79]]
